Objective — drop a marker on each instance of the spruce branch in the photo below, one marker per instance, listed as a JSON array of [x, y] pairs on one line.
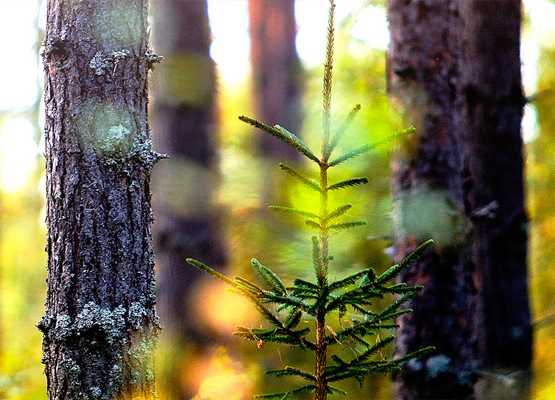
[[351, 154], [348, 183], [306, 284], [269, 277], [415, 354], [339, 211], [328, 67], [304, 293], [319, 266], [311, 183], [284, 135], [396, 270], [348, 280], [341, 132], [214, 273], [378, 346], [346, 225], [313, 224], [287, 395], [295, 211], [285, 307], [393, 307], [291, 371], [260, 307], [369, 147], [251, 287], [294, 318]]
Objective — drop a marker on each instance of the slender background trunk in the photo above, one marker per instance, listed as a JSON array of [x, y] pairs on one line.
[[100, 325], [183, 121], [492, 115], [276, 69], [183, 126]]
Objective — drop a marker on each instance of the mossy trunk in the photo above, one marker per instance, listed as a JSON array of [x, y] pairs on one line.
[[100, 326], [276, 70], [423, 70]]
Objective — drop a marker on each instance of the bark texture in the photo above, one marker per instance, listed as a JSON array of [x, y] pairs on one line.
[[494, 189], [428, 200], [100, 326], [454, 67], [275, 69]]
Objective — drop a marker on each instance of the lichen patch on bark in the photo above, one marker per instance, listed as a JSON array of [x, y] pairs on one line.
[[106, 128]]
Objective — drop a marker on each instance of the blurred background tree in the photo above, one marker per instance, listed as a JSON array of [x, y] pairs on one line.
[[276, 69], [460, 83], [493, 103], [184, 126], [428, 198]]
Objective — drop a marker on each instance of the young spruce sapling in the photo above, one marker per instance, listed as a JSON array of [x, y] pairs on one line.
[[284, 307]]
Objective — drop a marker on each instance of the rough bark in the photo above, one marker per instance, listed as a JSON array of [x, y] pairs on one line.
[[100, 326], [494, 189], [428, 200], [275, 69]]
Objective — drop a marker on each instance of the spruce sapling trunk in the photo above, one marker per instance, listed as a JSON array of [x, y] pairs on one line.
[[319, 300]]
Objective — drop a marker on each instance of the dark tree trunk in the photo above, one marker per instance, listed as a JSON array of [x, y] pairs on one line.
[[183, 121], [428, 200], [455, 67], [100, 326], [275, 69], [492, 114]]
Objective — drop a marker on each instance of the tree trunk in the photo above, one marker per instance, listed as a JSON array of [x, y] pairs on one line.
[[494, 189], [455, 67], [428, 200], [100, 326], [275, 69], [183, 121]]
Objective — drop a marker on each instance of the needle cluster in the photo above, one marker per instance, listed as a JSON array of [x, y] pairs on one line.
[[287, 308]]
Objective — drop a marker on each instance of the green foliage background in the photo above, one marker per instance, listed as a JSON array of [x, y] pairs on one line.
[[250, 229]]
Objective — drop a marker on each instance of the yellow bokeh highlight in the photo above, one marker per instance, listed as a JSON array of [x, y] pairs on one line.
[[221, 309], [227, 379]]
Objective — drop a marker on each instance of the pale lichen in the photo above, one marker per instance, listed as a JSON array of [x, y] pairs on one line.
[[137, 314], [63, 327], [96, 393], [102, 63], [72, 371], [127, 336], [112, 323], [120, 24], [152, 58], [140, 358], [108, 129]]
